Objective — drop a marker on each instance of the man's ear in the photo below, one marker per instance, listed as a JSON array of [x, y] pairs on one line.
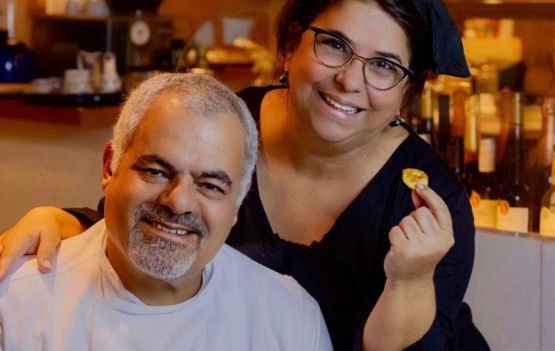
[[106, 164]]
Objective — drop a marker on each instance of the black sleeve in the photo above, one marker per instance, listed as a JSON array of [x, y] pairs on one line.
[[87, 216]]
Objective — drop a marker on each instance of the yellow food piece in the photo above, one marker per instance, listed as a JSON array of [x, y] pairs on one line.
[[413, 176]]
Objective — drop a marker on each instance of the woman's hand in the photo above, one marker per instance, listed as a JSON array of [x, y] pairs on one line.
[[38, 232], [407, 307], [420, 240]]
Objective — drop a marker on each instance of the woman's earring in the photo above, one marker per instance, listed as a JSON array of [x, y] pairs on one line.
[[397, 121], [284, 78]]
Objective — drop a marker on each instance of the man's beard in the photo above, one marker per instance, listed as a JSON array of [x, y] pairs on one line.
[[160, 257]]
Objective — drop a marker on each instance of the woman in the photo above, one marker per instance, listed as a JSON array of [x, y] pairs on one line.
[[327, 205]]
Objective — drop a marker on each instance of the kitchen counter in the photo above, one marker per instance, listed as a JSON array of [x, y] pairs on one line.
[[15, 107]]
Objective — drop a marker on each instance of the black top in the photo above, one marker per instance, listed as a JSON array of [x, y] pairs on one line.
[[344, 271]]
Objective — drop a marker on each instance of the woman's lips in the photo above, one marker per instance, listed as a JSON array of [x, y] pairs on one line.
[[340, 106]]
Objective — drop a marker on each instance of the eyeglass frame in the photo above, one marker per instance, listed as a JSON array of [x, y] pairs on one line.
[[406, 71]]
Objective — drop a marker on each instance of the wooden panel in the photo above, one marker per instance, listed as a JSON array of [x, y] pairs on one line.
[[537, 46]]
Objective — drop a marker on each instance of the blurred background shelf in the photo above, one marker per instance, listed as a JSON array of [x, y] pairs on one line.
[[517, 9]]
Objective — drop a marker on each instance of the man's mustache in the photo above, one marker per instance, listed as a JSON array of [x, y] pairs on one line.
[[153, 212]]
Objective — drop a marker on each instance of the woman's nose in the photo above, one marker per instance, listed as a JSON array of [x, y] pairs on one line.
[[351, 75]]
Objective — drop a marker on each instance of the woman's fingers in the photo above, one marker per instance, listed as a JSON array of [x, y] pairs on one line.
[[420, 239], [435, 203], [40, 226], [13, 247], [46, 251], [411, 228]]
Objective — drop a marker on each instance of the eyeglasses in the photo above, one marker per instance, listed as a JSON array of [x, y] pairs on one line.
[[379, 72]]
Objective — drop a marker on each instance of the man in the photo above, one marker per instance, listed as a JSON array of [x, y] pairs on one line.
[[156, 275]]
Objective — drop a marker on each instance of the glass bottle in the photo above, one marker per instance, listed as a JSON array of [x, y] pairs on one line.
[[471, 137], [544, 156], [425, 127], [459, 119], [513, 210], [485, 187], [505, 113], [444, 125], [547, 205], [454, 153]]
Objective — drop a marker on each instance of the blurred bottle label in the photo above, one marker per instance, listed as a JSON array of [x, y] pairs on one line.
[[547, 222], [484, 211], [512, 218]]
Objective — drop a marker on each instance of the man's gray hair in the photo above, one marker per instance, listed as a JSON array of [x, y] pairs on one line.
[[200, 93]]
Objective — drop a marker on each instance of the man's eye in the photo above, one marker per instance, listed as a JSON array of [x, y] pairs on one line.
[[213, 188], [153, 172]]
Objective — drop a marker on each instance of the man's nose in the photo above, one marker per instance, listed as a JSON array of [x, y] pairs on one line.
[[180, 196]]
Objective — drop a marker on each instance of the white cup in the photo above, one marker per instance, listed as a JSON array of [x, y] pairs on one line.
[[77, 81]]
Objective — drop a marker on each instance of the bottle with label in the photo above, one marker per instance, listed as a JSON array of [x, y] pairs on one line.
[[547, 212], [471, 137], [485, 187], [513, 209], [543, 153], [425, 128]]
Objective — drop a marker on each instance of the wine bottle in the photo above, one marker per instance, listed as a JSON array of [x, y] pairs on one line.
[[471, 137], [454, 153], [425, 128], [505, 113], [547, 211], [543, 153], [444, 125], [513, 209], [485, 188], [459, 113]]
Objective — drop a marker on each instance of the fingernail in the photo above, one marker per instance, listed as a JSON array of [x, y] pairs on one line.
[[420, 186], [47, 264]]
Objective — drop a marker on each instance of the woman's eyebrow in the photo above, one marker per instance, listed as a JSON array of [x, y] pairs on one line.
[[390, 55], [340, 34]]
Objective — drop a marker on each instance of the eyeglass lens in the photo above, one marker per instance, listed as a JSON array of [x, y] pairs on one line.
[[335, 52]]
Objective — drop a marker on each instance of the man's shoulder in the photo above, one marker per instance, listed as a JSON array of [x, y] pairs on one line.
[[71, 254], [251, 277], [271, 305]]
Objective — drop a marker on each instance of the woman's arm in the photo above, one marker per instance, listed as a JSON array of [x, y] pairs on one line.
[[407, 306], [38, 232]]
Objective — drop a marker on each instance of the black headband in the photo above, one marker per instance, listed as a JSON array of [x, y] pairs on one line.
[[447, 50]]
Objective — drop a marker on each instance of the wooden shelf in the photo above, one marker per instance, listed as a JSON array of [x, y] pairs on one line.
[[517, 9], [15, 108]]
